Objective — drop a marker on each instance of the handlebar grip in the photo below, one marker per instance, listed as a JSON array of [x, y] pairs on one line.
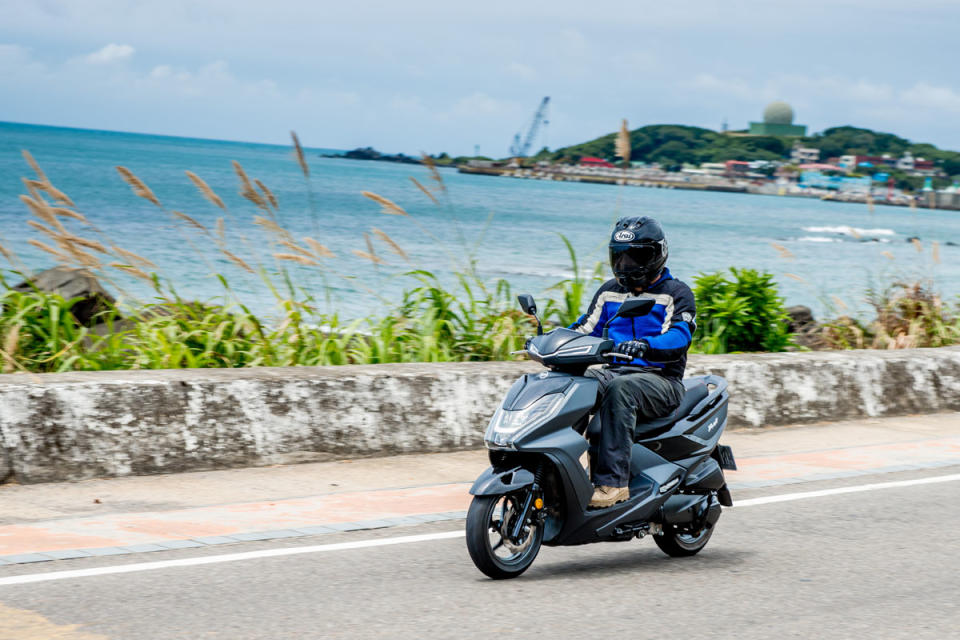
[[613, 354]]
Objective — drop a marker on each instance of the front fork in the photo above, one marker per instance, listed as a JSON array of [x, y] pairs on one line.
[[533, 500]]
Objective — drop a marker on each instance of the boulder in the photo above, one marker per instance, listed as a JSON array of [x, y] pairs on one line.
[[70, 283], [801, 317]]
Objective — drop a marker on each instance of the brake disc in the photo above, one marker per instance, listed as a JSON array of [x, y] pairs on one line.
[[505, 536]]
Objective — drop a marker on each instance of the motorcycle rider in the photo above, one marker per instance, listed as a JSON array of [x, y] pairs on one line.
[[648, 385]]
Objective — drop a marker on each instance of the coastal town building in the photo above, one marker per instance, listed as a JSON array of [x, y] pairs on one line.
[[777, 121], [804, 155]]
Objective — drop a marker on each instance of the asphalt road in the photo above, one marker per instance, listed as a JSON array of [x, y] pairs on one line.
[[878, 564]]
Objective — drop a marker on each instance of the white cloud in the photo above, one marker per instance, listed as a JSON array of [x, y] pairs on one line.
[[110, 53], [521, 70], [932, 97]]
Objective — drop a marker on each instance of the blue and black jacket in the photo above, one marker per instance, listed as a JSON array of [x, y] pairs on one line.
[[668, 328]]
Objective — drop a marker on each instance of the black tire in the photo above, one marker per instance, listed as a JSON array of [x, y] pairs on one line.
[[480, 525], [682, 545]]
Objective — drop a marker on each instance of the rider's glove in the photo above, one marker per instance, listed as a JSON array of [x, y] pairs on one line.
[[633, 348]]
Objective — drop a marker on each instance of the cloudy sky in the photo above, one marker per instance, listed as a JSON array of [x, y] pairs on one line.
[[427, 75]]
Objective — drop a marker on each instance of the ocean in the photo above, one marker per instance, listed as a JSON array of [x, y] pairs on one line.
[[509, 228]]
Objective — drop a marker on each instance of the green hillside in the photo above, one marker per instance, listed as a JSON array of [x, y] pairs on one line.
[[672, 145]]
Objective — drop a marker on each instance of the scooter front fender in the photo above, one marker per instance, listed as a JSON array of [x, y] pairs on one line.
[[496, 482]]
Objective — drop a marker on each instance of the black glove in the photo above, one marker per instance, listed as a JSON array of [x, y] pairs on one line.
[[633, 348]]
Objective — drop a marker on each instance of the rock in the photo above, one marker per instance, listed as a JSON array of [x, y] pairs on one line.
[[800, 317], [73, 283]]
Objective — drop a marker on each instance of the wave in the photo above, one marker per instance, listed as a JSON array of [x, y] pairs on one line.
[[818, 239], [851, 231]]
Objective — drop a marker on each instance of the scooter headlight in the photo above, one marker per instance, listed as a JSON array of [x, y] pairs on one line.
[[506, 425]]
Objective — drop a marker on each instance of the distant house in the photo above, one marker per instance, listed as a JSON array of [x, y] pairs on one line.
[[804, 155], [590, 161], [736, 168]]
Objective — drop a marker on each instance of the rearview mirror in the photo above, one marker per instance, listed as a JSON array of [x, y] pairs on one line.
[[636, 307], [527, 304], [530, 308]]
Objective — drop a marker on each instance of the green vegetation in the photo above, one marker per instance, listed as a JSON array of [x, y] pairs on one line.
[[908, 315], [740, 313], [674, 145], [433, 321]]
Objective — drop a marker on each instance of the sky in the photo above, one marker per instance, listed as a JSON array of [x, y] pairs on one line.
[[435, 76]]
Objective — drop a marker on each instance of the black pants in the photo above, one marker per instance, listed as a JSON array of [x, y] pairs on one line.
[[626, 397]]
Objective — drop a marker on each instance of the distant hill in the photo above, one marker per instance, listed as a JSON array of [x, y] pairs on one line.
[[672, 145]]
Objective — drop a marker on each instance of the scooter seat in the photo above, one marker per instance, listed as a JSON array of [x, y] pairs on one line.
[[694, 391]]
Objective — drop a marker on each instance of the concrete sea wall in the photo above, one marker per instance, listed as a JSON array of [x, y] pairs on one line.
[[73, 426]]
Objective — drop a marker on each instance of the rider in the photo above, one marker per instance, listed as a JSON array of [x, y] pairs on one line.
[[648, 385]]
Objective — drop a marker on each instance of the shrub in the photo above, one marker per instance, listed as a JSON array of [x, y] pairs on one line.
[[740, 313]]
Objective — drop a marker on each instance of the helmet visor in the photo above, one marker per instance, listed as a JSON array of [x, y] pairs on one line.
[[632, 258]]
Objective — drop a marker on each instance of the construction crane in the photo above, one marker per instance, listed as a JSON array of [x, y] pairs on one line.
[[522, 142]]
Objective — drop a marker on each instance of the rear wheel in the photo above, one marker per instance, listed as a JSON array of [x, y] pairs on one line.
[[490, 520], [679, 544]]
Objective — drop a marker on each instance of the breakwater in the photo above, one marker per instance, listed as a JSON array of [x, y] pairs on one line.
[[72, 426]]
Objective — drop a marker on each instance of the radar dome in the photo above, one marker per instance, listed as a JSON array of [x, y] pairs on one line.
[[778, 113]]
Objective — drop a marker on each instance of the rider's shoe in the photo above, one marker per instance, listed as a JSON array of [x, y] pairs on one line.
[[608, 496]]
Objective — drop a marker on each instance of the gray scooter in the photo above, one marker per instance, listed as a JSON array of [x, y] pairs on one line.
[[537, 488]]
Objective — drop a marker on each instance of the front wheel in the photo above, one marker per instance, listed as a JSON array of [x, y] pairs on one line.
[[677, 544], [490, 520]]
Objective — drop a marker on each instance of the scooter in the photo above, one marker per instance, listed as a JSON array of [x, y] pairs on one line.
[[538, 486]]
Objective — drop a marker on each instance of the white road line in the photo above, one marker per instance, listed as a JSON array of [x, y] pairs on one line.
[[804, 495], [382, 542]]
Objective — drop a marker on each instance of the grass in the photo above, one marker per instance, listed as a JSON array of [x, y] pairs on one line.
[[433, 320]]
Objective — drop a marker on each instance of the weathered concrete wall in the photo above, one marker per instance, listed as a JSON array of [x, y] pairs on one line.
[[82, 425]]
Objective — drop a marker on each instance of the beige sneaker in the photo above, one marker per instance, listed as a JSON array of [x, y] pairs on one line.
[[604, 497]]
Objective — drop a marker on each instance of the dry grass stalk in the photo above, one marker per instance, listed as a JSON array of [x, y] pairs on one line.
[[89, 244], [247, 190], [132, 270], [870, 203], [369, 243], [794, 277], [855, 234], [42, 229], [132, 257], [318, 249], [139, 187], [434, 173], [69, 213], [888, 255], [42, 210], [425, 190], [394, 247], [293, 246], [269, 194], [191, 221], [79, 255], [387, 206], [237, 260], [368, 256], [622, 145], [34, 187], [43, 247], [301, 158], [841, 305], [936, 252], [913, 203], [10, 346], [221, 230], [785, 253], [7, 253], [33, 165], [205, 190], [293, 257], [272, 226], [917, 244]]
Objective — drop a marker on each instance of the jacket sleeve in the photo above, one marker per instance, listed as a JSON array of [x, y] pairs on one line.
[[591, 322], [672, 344]]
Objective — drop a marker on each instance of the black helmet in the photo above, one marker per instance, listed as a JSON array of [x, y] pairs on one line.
[[638, 251]]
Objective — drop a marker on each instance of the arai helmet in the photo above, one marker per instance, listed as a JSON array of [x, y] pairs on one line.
[[638, 251]]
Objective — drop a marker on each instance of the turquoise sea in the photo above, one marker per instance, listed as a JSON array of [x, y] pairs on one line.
[[511, 226]]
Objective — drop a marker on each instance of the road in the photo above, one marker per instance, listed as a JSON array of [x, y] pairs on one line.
[[878, 563]]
